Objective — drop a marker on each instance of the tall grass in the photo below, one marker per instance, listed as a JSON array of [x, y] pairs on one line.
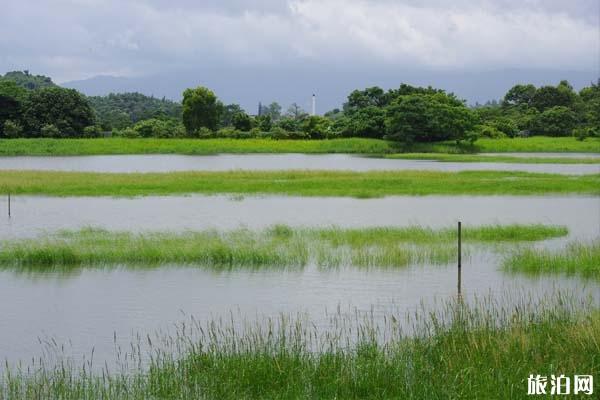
[[279, 246], [55, 147], [578, 258], [478, 351], [300, 183]]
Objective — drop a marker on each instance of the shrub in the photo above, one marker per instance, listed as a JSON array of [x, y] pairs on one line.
[[49, 131], [92, 131], [205, 133], [488, 131], [12, 129], [129, 133]]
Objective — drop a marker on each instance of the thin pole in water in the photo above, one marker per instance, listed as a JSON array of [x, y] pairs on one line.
[[9, 205], [459, 256]]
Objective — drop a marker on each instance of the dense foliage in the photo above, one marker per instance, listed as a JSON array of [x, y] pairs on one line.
[[32, 106], [25, 80], [121, 110]]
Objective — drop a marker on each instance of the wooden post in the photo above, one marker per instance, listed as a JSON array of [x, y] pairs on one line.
[[459, 257]]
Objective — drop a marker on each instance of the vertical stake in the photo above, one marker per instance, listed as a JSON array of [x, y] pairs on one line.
[[459, 257], [9, 205]]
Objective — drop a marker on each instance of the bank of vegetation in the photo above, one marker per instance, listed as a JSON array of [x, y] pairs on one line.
[[32, 106], [296, 183]]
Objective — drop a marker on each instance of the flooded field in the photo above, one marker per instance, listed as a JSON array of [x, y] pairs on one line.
[[264, 162], [85, 308]]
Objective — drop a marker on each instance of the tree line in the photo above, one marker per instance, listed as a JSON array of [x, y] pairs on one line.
[[33, 106]]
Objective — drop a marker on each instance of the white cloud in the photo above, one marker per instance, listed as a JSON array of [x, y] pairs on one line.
[[80, 38]]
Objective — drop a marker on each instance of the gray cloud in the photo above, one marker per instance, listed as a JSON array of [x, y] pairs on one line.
[[74, 39]]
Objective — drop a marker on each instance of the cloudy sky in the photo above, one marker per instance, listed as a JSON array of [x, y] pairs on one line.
[[79, 39]]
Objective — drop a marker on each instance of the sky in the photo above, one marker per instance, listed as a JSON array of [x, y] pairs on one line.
[[72, 40]]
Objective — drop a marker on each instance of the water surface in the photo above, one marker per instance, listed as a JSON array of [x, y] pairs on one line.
[[268, 162]]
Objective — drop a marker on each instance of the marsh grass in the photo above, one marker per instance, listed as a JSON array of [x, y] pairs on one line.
[[55, 147], [277, 246], [296, 183], [577, 258], [479, 350]]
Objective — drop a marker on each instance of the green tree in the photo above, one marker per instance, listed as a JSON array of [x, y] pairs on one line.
[[264, 122], [366, 122], [227, 113], [519, 96], [273, 110], [555, 121], [427, 118], [201, 109], [553, 96], [242, 121], [316, 127], [65, 109]]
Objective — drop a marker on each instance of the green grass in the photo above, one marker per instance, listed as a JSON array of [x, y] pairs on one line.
[[482, 351], [576, 259], [494, 158], [296, 183], [63, 147], [278, 246]]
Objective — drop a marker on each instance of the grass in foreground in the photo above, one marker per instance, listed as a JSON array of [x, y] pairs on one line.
[[68, 147], [481, 351], [298, 183], [278, 246], [576, 259], [494, 158]]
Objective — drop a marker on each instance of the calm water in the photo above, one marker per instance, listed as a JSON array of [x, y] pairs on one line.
[[226, 162], [86, 307]]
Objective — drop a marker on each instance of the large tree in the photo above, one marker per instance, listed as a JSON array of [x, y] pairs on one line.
[[553, 96], [201, 109], [66, 109], [428, 118], [519, 96]]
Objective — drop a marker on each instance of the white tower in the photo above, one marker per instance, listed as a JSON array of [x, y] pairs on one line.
[[314, 105]]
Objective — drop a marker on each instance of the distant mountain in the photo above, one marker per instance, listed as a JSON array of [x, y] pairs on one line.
[[249, 86]]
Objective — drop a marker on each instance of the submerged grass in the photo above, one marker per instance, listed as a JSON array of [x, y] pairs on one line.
[[479, 351], [56, 147], [279, 246], [576, 258], [299, 183]]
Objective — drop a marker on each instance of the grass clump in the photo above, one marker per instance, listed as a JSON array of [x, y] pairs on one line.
[[279, 246], [296, 183], [576, 258], [479, 351]]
